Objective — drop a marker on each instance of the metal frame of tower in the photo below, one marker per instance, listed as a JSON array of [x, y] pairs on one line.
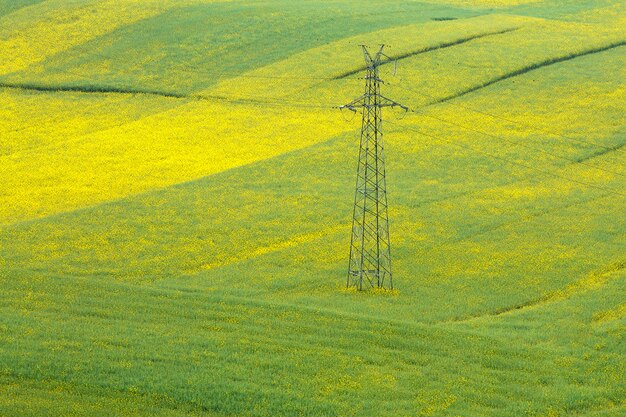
[[370, 252]]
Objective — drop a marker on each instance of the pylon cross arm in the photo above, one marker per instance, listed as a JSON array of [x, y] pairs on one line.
[[382, 101], [386, 102], [353, 105]]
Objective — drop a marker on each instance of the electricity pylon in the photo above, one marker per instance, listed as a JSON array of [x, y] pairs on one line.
[[370, 255]]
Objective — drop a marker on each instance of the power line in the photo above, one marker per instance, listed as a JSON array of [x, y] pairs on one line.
[[519, 143], [509, 161], [260, 102], [63, 117], [231, 74], [90, 89], [241, 100], [608, 148], [537, 214], [235, 74]]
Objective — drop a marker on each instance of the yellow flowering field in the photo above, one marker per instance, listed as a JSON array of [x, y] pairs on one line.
[[33, 33], [176, 190], [185, 142]]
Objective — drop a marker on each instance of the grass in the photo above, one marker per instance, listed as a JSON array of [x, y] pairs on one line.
[[186, 255]]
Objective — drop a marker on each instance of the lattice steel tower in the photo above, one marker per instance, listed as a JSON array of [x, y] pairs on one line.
[[370, 256]]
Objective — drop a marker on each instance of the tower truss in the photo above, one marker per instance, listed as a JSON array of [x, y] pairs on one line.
[[370, 248]]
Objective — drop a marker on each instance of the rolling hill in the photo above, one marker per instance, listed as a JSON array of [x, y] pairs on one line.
[[176, 186]]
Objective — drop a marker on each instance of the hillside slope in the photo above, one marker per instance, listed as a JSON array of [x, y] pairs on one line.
[[176, 186]]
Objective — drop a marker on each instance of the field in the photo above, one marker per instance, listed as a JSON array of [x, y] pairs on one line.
[[176, 187]]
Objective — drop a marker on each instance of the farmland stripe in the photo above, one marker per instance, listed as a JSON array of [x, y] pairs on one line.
[[591, 281], [429, 49], [88, 89], [528, 68], [601, 153]]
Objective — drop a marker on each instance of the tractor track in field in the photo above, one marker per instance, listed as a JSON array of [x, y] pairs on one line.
[[97, 89], [529, 68], [291, 241], [609, 406], [430, 49], [101, 89], [590, 281], [78, 389], [601, 153]]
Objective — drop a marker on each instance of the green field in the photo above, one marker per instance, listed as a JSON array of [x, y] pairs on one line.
[[176, 188]]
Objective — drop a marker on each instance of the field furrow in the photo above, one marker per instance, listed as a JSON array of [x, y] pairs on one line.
[[176, 194]]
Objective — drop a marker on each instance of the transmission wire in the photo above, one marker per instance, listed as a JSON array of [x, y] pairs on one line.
[[519, 143], [510, 161], [608, 148]]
